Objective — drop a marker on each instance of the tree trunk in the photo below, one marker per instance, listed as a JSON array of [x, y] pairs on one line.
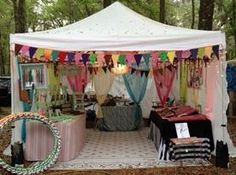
[[193, 14], [106, 3], [206, 14], [234, 26], [2, 64], [162, 11], [19, 16]]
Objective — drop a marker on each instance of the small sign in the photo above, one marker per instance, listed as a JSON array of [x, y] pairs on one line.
[[182, 130]]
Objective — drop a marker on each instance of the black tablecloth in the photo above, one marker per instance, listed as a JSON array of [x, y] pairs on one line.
[[198, 128]]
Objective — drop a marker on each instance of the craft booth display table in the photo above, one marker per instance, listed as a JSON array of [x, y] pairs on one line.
[[163, 129], [39, 140], [120, 118]]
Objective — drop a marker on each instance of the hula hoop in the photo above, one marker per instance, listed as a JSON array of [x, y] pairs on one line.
[[38, 167]]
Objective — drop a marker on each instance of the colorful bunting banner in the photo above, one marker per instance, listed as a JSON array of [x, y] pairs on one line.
[[121, 59], [93, 58], [194, 53], [17, 48], [54, 55], [32, 51], [216, 50], [130, 58], [138, 58], [171, 56], [110, 60], [201, 52], [62, 56], [146, 58], [85, 58], [77, 57], [71, 57], [47, 54], [163, 56], [39, 53]]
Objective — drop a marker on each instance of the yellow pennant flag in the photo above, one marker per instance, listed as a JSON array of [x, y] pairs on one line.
[[171, 56], [39, 53], [115, 59], [208, 51], [47, 54], [201, 52]]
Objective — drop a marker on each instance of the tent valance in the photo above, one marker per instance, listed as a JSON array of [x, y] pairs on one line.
[[118, 28]]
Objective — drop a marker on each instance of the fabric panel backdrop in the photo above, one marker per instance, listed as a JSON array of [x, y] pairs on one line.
[[102, 83], [136, 86], [163, 76]]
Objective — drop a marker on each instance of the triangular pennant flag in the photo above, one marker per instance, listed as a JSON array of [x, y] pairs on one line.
[[178, 54], [194, 53], [47, 54], [171, 56], [216, 50], [24, 50], [107, 59], [77, 57], [201, 52], [121, 59], [129, 58], [104, 68], [138, 58], [208, 52], [154, 55], [71, 57], [62, 56], [146, 58], [186, 54], [146, 73], [39, 53], [142, 72], [132, 70], [17, 48], [85, 57], [100, 58], [163, 56], [54, 55], [32, 51], [115, 58], [93, 58]]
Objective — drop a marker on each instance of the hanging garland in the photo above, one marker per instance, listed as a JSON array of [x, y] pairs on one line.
[[51, 158]]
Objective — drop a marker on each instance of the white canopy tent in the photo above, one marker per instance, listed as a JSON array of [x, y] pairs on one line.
[[118, 28]]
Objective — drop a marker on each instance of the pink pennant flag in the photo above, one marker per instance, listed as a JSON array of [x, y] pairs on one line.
[[154, 55], [100, 58], [129, 58], [25, 50], [77, 57], [186, 54]]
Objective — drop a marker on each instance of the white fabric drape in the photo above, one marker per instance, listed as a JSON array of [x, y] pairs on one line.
[[102, 83]]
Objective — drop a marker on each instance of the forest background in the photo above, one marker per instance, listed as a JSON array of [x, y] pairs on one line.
[[19, 16]]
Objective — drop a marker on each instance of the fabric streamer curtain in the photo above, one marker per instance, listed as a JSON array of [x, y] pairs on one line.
[[136, 86], [163, 75], [77, 82], [183, 82], [102, 83]]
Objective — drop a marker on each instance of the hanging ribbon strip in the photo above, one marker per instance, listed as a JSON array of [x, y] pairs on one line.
[[163, 75]]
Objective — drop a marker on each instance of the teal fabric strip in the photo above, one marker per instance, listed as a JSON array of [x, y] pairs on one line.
[[136, 86]]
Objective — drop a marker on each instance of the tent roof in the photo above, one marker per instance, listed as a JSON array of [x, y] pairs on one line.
[[119, 28]]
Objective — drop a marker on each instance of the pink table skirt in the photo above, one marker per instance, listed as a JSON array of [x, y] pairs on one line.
[[39, 139]]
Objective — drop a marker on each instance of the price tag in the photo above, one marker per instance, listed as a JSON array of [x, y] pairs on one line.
[[182, 130]]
